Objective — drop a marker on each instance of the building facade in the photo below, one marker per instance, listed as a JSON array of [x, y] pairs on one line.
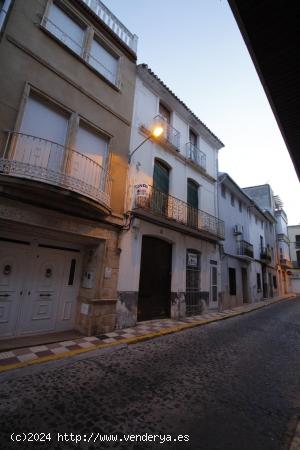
[[170, 265], [277, 236], [68, 72], [248, 256], [294, 248]]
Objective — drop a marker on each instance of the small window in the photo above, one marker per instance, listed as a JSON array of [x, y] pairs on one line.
[[240, 206], [232, 199], [193, 138], [274, 282], [65, 28], [72, 272], [103, 61], [223, 191], [297, 238], [232, 281], [258, 282], [165, 112]]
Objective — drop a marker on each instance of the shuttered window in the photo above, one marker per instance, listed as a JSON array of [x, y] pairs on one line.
[[65, 28], [92, 144], [161, 177], [103, 61]]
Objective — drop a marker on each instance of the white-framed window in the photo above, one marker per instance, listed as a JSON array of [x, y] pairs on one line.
[[4, 7], [65, 28], [71, 31], [104, 61], [91, 143]]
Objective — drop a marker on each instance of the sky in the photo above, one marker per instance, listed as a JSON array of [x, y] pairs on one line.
[[196, 48]]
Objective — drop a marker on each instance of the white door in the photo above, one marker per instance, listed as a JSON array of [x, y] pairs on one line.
[[13, 265], [38, 289], [69, 291], [39, 306]]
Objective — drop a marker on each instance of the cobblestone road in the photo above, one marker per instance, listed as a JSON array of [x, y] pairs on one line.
[[231, 385]]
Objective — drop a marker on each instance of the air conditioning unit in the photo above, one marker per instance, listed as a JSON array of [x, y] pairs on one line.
[[237, 229]]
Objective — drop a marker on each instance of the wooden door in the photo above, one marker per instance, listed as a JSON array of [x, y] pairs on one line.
[[192, 201], [155, 279]]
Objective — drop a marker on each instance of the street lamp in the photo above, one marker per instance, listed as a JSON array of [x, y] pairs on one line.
[[155, 133]]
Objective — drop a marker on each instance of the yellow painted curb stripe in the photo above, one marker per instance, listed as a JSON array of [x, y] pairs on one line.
[[136, 339]]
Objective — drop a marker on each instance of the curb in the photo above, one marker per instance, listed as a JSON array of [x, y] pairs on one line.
[[142, 338]]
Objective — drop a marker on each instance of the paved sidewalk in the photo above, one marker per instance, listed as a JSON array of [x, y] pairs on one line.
[[142, 331]]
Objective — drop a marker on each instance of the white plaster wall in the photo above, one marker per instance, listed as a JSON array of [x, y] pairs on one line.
[[281, 225], [292, 231], [130, 258], [232, 216], [255, 231], [255, 268], [141, 170]]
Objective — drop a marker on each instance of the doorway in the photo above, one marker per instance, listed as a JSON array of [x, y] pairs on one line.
[[38, 288], [155, 279], [245, 284]]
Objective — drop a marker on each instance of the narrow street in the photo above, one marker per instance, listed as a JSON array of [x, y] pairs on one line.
[[231, 385]]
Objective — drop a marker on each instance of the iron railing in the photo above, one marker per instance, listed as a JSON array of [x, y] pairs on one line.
[[173, 209], [286, 262], [244, 248], [35, 158], [266, 254], [170, 134], [113, 23], [196, 155]]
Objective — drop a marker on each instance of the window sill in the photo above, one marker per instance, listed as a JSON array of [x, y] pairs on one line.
[[80, 58]]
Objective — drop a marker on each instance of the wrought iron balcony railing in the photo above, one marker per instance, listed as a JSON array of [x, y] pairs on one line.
[[196, 155], [170, 134], [42, 160], [266, 254], [286, 262], [244, 248], [158, 203], [113, 23]]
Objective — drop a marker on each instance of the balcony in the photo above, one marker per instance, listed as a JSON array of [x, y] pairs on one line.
[[266, 255], [175, 213], [34, 158], [245, 249], [170, 134], [286, 263], [110, 20], [195, 155]]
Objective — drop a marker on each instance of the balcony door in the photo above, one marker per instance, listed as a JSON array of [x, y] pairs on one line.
[[160, 188], [192, 201], [42, 137], [88, 160]]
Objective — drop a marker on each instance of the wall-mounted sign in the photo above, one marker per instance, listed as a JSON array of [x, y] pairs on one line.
[[142, 190], [192, 259]]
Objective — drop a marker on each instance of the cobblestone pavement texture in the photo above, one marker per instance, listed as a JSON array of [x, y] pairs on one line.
[[231, 385]]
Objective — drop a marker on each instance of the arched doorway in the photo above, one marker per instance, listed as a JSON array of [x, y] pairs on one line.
[[155, 279]]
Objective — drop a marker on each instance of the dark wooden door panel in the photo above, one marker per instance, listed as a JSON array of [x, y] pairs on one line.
[[155, 279]]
